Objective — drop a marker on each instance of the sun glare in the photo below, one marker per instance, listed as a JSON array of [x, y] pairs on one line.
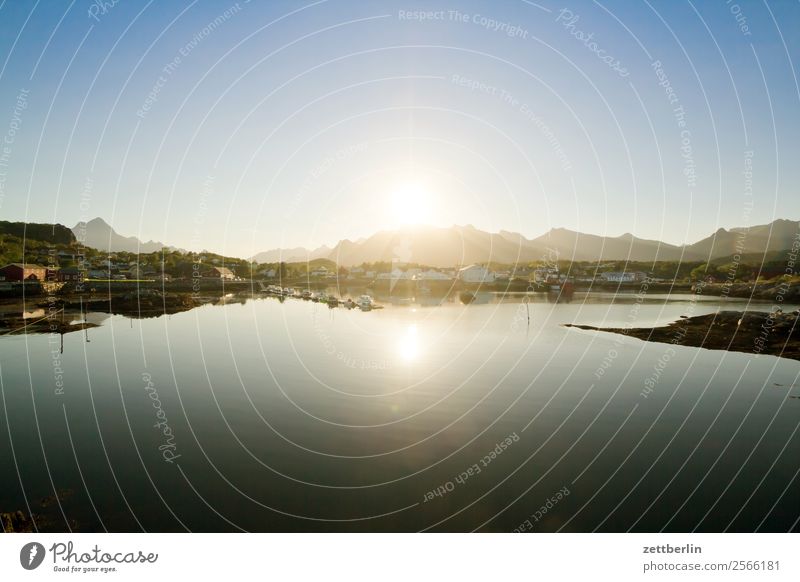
[[411, 203], [408, 345]]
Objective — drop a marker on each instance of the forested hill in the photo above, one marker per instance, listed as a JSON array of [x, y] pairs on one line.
[[51, 233]]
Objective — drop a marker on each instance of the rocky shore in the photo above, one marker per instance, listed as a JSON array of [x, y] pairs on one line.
[[788, 292], [753, 332]]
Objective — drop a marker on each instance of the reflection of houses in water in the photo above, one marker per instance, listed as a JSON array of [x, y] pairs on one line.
[[34, 314], [431, 300], [562, 296], [400, 300], [96, 318], [477, 297], [230, 298], [52, 320]]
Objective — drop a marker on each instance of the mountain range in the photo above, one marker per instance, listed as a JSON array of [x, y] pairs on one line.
[[446, 247], [295, 255]]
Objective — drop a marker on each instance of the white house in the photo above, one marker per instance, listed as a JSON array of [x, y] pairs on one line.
[[432, 275], [319, 272], [219, 273], [395, 275], [618, 277], [475, 274]]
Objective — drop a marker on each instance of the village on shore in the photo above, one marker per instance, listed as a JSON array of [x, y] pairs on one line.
[[48, 259], [45, 269], [92, 266]]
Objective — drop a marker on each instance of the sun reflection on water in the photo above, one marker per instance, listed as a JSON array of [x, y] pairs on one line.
[[408, 347]]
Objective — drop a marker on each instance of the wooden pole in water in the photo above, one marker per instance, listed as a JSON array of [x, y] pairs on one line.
[[85, 329]]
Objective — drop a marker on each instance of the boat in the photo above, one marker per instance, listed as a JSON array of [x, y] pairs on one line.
[[306, 294], [333, 301], [365, 302]]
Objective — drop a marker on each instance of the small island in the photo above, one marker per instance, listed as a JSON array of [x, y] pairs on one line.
[[753, 332]]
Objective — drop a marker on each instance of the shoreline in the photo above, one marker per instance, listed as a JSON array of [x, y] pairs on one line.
[[774, 334]]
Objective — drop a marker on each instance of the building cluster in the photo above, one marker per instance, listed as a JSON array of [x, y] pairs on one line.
[[468, 274], [108, 270], [548, 275], [111, 269]]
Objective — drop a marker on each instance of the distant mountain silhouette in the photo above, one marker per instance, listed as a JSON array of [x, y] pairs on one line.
[[591, 247], [461, 245], [98, 234], [441, 247], [296, 255], [775, 236]]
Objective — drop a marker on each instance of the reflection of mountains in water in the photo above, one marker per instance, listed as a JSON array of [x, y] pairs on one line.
[[409, 295]]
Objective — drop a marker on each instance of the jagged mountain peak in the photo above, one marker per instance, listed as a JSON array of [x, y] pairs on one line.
[[98, 234]]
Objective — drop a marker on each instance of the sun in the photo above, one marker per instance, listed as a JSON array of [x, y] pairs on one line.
[[411, 203]]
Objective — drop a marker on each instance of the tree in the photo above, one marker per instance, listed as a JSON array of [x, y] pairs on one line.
[[699, 272]]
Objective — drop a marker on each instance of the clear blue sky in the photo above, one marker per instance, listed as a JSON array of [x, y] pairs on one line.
[[300, 123]]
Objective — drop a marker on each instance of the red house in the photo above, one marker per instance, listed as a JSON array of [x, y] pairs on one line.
[[23, 272]]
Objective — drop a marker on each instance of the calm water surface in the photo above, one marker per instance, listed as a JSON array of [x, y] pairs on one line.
[[293, 416]]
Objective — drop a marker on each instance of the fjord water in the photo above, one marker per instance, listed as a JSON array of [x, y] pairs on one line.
[[296, 417]]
